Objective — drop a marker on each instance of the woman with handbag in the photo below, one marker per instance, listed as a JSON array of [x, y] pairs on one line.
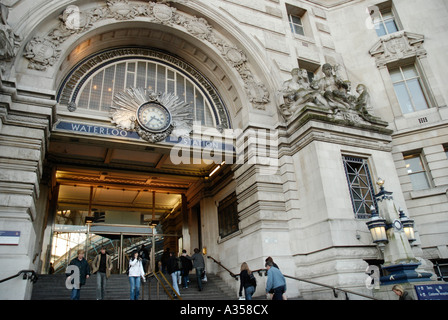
[[247, 281]]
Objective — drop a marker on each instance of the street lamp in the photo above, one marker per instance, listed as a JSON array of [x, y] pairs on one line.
[[377, 227], [408, 226]]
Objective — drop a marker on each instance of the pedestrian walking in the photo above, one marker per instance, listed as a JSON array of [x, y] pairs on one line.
[[401, 293], [174, 268], [187, 266], [276, 281], [84, 274], [247, 281], [102, 265], [165, 258], [144, 255], [198, 265], [135, 273]]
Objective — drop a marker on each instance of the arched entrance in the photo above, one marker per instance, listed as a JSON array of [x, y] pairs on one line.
[[109, 181]]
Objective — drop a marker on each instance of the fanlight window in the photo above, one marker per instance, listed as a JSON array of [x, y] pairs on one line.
[[99, 89]]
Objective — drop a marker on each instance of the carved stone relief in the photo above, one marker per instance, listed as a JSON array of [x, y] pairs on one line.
[[330, 93], [397, 46], [9, 41], [43, 51]]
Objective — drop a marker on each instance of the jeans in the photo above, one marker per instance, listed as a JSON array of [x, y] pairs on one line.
[[100, 285], [198, 277], [175, 277], [135, 287], [186, 278], [278, 293], [248, 292], [75, 294]]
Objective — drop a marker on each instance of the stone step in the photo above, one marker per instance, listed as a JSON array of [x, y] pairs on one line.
[[52, 287]]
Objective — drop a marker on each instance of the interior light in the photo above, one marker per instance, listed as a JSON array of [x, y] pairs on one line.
[[214, 171]]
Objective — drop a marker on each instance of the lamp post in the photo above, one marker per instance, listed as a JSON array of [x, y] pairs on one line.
[[408, 226], [377, 227], [389, 233]]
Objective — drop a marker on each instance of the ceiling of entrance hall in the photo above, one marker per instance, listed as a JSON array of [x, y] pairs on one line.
[[122, 176]]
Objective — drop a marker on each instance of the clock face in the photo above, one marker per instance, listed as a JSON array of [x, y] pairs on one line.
[[154, 117], [397, 225]]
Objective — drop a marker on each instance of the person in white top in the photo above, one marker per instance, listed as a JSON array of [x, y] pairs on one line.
[[135, 272]]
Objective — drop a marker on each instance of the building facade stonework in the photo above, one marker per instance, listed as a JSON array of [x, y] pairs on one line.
[[301, 106]]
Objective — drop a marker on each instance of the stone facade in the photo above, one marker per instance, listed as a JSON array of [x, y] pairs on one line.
[[293, 199]]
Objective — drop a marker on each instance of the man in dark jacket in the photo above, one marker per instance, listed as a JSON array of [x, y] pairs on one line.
[[84, 273]]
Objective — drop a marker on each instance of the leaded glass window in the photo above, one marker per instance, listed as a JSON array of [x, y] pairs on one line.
[[360, 185], [98, 91]]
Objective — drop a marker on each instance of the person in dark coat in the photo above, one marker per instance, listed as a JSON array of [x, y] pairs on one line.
[[248, 282], [401, 293], [187, 266], [84, 274], [165, 258]]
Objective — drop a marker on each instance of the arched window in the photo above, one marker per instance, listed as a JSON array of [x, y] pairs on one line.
[[94, 82]]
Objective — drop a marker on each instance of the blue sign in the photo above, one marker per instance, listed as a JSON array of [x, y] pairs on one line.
[[432, 291], [115, 132], [9, 238]]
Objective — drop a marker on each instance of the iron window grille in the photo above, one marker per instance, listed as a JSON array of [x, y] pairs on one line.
[[360, 186]]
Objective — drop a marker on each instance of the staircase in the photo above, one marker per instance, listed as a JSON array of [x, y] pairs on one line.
[[52, 287]]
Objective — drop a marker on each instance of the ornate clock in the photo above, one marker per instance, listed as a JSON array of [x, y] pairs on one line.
[[154, 117]]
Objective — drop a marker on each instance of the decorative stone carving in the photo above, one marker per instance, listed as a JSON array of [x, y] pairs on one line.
[[396, 46], [329, 93], [120, 9], [73, 20], [198, 27], [163, 13], [42, 53], [9, 41]]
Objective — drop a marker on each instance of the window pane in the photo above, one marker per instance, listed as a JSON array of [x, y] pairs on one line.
[[380, 30], [396, 76], [417, 95], [83, 101], [180, 87], [97, 85], [419, 181], [141, 75], [106, 101], [403, 97], [409, 72], [414, 164], [151, 77], [161, 78], [296, 20], [298, 30], [391, 26]]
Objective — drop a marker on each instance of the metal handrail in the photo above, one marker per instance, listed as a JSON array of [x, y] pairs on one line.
[[335, 289], [27, 274], [159, 276]]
